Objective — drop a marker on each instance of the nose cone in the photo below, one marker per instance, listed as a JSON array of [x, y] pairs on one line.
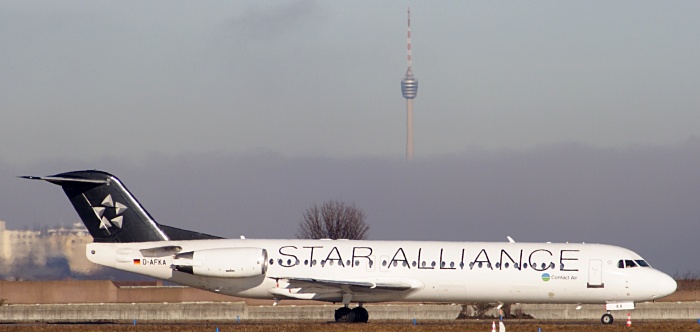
[[666, 285]]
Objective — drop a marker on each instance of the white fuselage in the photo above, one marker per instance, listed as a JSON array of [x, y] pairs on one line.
[[433, 271]]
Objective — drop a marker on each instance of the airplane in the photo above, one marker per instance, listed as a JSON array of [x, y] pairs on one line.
[[127, 238]]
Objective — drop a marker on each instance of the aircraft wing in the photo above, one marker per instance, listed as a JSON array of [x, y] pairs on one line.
[[319, 289], [359, 285]]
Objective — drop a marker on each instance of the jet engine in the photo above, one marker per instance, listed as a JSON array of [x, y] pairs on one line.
[[223, 262]]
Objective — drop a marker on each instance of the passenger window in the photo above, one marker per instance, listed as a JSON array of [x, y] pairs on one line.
[[383, 263], [506, 265], [414, 263], [452, 264]]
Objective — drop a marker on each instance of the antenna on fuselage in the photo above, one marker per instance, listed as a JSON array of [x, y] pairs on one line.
[[510, 239]]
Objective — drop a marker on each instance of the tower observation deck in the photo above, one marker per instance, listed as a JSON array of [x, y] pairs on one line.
[[409, 85]]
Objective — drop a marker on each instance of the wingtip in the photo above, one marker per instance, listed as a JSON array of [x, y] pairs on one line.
[[30, 177]]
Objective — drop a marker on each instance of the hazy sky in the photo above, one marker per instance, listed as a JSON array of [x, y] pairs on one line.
[[546, 121], [124, 79]]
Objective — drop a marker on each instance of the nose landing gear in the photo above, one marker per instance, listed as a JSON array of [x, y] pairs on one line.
[[607, 318]]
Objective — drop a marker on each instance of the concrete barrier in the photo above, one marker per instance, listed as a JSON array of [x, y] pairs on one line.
[[100, 291], [232, 311], [121, 312], [649, 310]]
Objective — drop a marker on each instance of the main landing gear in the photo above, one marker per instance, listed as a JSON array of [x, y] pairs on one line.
[[355, 315], [607, 318]]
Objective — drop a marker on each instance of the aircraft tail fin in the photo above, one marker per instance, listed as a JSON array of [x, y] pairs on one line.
[[108, 210]]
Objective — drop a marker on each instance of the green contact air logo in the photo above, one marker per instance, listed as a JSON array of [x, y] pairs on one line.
[[545, 276]]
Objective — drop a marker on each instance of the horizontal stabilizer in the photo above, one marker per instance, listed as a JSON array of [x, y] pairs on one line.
[[59, 180]]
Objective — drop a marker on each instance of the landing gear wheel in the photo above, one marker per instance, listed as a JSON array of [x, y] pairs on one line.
[[344, 315], [361, 315], [607, 319]]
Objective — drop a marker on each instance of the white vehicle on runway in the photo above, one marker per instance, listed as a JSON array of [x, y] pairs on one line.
[[127, 238]]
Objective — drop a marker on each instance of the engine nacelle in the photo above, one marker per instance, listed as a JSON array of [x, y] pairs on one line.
[[223, 262]]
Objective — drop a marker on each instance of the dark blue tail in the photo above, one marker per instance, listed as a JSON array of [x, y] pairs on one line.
[[110, 212]]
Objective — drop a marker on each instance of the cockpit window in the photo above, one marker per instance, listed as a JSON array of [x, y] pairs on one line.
[[642, 263], [629, 263]]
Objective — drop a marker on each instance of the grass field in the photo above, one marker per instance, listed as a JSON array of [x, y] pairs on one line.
[[481, 326]]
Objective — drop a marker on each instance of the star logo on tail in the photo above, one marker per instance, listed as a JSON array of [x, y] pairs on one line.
[[110, 213]]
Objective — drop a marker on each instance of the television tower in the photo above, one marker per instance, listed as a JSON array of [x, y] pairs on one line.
[[409, 89]]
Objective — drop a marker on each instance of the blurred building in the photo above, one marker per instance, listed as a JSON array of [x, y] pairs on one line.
[[29, 254]]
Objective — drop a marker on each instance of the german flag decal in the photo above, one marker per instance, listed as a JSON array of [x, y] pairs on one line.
[[137, 261]]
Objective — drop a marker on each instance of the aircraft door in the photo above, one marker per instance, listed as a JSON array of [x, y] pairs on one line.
[[595, 273]]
